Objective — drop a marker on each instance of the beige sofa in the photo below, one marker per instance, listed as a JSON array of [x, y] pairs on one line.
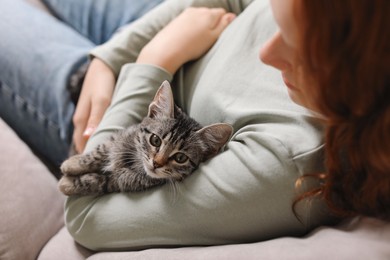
[[32, 226]]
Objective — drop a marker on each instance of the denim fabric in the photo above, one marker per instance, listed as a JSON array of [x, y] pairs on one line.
[[97, 20], [39, 53]]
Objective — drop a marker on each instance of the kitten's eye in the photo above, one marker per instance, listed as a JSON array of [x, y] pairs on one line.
[[155, 140], [180, 158]]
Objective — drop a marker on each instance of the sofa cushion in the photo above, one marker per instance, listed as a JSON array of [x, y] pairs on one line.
[[31, 207], [62, 246], [359, 238]]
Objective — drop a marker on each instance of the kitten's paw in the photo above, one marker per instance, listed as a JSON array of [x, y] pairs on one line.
[[66, 185], [72, 166], [86, 184]]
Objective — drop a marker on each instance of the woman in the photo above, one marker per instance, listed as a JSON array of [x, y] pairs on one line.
[[343, 74], [247, 192]]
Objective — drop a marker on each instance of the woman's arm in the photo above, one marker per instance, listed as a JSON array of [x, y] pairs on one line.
[[125, 48], [186, 38]]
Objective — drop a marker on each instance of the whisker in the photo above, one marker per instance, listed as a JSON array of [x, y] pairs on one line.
[[173, 189]]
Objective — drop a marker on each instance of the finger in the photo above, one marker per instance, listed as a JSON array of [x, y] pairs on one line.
[[79, 140], [98, 109], [225, 20], [80, 119], [215, 16], [84, 131]]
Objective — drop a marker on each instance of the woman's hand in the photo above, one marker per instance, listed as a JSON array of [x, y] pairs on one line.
[[95, 97], [186, 38]]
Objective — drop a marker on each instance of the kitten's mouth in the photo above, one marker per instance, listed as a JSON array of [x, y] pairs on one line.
[[155, 173]]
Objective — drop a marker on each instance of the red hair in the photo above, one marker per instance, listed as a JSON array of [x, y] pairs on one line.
[[345, 50]]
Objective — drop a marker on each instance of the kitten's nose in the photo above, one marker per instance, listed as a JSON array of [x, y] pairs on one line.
[[157, 164]]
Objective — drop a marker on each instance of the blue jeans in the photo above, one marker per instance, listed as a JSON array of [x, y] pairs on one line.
[[39, 53]]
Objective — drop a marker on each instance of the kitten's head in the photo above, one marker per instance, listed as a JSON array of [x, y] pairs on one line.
[[173, 144]]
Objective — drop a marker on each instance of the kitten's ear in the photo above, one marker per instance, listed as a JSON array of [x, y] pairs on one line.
[[215, 137], [162, 104]]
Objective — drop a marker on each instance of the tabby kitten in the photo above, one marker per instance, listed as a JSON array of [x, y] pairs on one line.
[[166, 146]]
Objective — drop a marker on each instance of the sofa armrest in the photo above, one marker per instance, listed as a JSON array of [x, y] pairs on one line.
[[31, 207]]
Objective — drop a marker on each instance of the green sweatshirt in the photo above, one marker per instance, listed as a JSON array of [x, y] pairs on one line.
[[245, 193]]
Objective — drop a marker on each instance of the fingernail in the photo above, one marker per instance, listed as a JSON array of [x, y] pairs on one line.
[[89, 131], [231, 17]]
